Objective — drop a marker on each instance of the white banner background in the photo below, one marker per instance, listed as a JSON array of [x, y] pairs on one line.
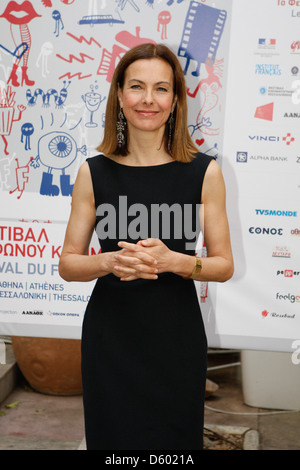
[[241, 60]]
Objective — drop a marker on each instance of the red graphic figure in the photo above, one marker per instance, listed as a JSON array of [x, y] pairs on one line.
[[19, 16], [128, 40], [164, 18], [210, 87], [7, 114], [21, 177]]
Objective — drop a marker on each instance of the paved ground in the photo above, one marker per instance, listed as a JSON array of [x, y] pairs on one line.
[[34, 421]]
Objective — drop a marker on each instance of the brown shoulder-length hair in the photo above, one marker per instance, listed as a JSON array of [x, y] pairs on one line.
[[182, 147]]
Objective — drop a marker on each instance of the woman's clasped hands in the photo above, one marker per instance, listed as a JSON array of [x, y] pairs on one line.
[[144, 259]]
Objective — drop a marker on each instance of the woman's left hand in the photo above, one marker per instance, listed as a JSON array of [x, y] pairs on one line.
[[152, 246]]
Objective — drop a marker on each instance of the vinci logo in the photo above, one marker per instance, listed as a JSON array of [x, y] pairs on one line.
[[288, 139]]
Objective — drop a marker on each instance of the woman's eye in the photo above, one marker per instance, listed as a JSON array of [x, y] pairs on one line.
[[162, 89], [136, 87]]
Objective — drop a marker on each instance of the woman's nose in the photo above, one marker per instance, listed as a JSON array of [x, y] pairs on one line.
[[148, 98]]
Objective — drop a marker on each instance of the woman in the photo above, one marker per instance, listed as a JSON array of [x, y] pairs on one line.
[[143, 341]]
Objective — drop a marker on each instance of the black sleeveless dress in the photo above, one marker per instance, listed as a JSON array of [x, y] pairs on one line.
[[143, 341]]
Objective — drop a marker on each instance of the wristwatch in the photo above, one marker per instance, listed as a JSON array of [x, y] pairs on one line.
[[197, 268]]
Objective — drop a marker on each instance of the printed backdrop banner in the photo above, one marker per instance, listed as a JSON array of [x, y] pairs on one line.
[[240, 60]]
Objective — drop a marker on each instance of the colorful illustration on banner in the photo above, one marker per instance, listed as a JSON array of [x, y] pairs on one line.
[[200, 41], [164, 18], [201, 35], [56, 151], [93, 18], [46, 50], [123, 3], [59, 25], [22, 177], [4, 173], [7, 114], [127, 41], [19, 16], [59, 98], [92, 101], [27, 130]]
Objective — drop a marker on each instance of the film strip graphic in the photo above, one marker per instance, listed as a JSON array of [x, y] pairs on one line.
[[201, 36]]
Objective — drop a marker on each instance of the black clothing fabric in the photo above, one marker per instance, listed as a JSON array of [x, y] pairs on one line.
[[143, 341]]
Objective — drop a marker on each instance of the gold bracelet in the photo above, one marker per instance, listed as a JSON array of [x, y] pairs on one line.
[[197, 268]]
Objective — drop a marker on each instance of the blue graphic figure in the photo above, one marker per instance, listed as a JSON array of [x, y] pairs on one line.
[[58, 22], [59, 98], [56, 151], [27, 130], [170, 2], [201, 35]]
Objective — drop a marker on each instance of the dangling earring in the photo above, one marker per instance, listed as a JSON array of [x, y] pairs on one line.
[[171, 123], [121, 124]]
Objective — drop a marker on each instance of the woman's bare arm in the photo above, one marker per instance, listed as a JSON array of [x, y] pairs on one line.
[[75, 264]]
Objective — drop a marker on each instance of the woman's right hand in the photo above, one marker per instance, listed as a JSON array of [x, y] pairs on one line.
[[129, 265]]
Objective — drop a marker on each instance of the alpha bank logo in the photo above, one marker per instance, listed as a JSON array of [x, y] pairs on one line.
[[242, 157]]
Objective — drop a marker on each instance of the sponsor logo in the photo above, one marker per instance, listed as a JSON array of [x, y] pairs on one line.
[[283, 3], [267, 314], [32, 312], [290, 297], [267, 69], [243, 157], [264, 43], [281, 252], [276, 212], [295, 232], [265, 231], [275, 91], [295, 47], [295, 70], [266, 47], [289, 273], [265, 112], [291, 115], [288, 138]]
